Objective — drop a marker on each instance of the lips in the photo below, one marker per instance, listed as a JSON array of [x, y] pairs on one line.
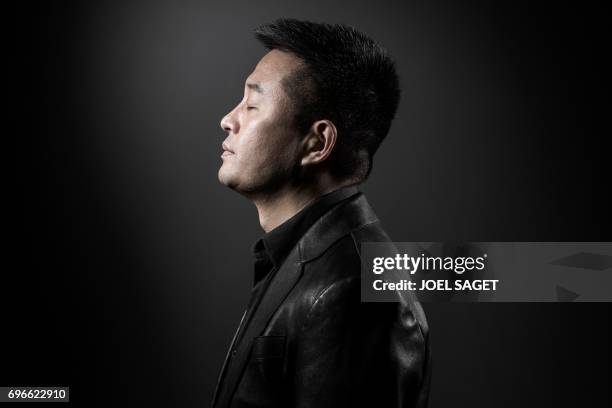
[[226, 150]]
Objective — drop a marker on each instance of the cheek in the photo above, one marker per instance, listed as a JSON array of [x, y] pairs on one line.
[[267, 142]]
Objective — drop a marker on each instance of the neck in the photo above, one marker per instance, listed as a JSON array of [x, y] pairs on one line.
[[274, 209]]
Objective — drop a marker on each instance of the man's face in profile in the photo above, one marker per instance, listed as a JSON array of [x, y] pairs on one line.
[[262, 148]]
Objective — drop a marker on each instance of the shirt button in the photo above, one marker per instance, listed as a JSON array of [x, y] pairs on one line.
[[233, 352]]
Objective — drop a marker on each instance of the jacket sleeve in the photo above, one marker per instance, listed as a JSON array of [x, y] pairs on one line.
[[352, 354]]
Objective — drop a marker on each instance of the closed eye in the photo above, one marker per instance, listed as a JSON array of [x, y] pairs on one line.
[[251, 107]]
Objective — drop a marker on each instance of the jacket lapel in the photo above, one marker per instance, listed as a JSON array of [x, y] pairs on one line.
[[281, 284], [226, 362]]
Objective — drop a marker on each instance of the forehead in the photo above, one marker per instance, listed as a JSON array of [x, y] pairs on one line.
[[274, 67]]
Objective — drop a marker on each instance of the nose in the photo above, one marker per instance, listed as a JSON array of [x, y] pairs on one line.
[[229, 124]]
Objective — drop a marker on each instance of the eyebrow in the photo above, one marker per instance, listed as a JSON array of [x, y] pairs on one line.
[[255, 86]]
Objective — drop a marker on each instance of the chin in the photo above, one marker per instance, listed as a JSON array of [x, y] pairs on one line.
[[222, 176], [226, 179]]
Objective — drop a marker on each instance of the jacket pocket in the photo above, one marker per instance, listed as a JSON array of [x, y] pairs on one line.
[[267, 358], [262, 383], [268, 347]]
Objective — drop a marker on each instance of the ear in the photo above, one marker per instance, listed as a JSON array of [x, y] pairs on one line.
[[319, 142]]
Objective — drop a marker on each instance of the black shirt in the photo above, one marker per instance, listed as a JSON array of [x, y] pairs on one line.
[[271, 249]]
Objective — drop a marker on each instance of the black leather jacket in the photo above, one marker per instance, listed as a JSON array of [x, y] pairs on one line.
[[312, 343]]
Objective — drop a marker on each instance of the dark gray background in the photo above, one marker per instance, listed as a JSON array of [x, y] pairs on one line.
[[130, 262]]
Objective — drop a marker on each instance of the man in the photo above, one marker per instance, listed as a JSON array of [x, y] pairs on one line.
[[314, 111]]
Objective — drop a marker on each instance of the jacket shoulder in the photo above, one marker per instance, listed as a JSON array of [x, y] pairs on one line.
[[339, 266]]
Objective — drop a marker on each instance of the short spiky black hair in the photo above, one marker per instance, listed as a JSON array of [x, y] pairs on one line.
[[348, 78]]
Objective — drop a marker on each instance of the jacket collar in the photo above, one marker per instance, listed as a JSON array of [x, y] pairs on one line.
[[279, 242], [340, 221]]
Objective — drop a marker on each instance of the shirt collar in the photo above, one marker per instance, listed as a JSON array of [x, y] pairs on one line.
[[280, 241]]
